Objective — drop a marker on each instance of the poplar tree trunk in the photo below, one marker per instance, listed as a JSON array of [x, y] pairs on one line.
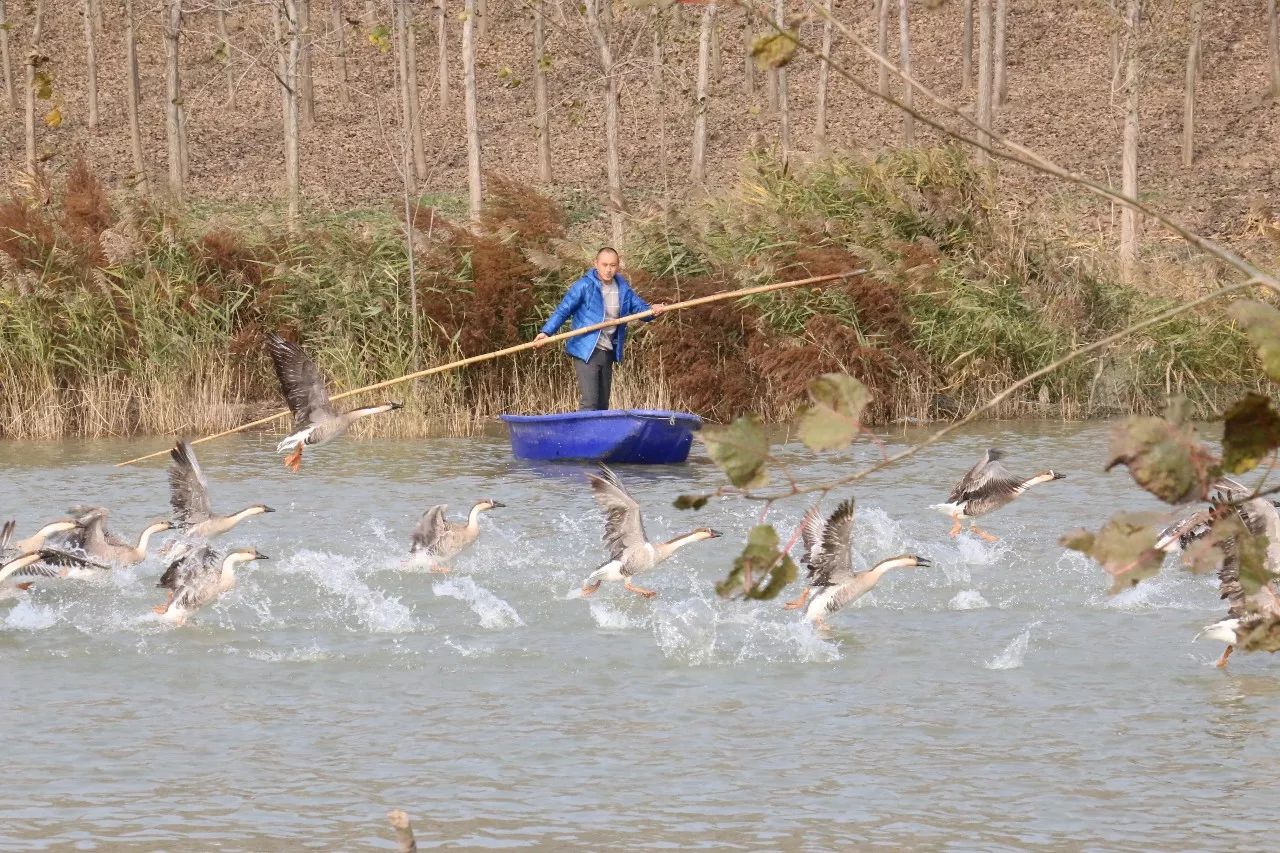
[[966, 46], [482, 19], [749, 78], [715, 50], [904, 64], [411, 42], [1113, 44], [340, 33], [824, 74], [442, 48], [305, 87], [1193, 73], [225, 38], [1273, 46], [784, 107], [1129, 163], [293, 109], [999, 91], [132, 87], [882, 44], [985, 76], [34, 60], [9, 92], [657, 82], [541, 109], [475, 185], [175, 124], [91, 63], [601, 38], [699, 172], [409, 88]]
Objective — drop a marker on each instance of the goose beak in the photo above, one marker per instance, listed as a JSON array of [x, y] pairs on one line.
[[1058, 476], [267, 509], [262, 557], [496, 503], [715, 534], [395, 406], [923, 562]]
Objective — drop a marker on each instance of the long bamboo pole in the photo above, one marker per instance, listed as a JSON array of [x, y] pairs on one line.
[[453, 365]]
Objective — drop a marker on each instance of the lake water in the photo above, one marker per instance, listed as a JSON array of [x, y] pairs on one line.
[[999, 700]]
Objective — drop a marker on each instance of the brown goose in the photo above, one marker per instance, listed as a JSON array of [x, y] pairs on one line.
[[987, 487], [630, 551], [96, 541], [437, 540], [812, 527], [198, 578], [315, 423], [189, 496], [1247, 612]]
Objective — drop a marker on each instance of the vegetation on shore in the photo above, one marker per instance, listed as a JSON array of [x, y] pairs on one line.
[[121, 317]]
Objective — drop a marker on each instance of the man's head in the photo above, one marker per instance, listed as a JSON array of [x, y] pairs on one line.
[[606, 263]]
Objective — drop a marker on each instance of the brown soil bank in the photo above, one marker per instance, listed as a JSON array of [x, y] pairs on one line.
[[130, 319]]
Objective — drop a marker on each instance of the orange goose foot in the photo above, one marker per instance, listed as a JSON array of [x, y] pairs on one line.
[[589, 588], [1226, 653], [797, 603], [294, 460], [647, 593]]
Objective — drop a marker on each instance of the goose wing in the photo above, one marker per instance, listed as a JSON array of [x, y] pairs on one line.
[[188, 489], [811, 527], [987, 479], [190, 568], [300, 382], [92, 521], [430, 530], [834, 565], [623, 527], [6, 533]]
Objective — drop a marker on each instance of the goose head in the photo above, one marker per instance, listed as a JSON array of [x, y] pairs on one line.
[[244, 555], [904, 561], [488, 504]]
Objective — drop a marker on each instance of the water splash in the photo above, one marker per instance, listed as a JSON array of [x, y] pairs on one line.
[[494, 613], [27, 615], [373, 609], [1014, 653], [968, 599]]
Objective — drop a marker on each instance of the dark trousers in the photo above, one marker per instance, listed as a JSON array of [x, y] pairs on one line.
[[595, 379]]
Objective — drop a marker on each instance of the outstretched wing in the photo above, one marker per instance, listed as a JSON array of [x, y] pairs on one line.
[[6, 533], [92, 529], [188, 489], [189, 568], [811, 527], [623, 527], [988, 479], [430, 530], [835, 564], [300, 382]]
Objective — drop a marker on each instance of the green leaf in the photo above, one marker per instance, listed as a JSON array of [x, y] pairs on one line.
[[1124, 546], [691, 501], [1261, 323], [741, 450], [761, 571], [1166, 459], [1251, 430], [773, 49], [836, 414]]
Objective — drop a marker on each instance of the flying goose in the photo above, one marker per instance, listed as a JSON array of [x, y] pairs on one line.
[[437, 540], [1245, 613], [37, 540], [829, 554], [199, 577], [46, 557], [96, 541], [18, 562], [630, 551], [315, 422], [189, 496], [987, 487]]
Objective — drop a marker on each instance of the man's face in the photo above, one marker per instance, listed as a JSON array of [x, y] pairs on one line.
[[606, 265]]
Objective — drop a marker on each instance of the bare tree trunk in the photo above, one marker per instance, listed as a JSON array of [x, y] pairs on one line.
[[824, 74], [540, 107], [1193, 73], [699, 172], [1113, 44], [1000, 89], [882, 44], [131, 91], [1129, 223], [409, 88], [475, 184], [34, 60], [91, 63], [306, 89], [225, 38], [715, 51], [442, 48], [966, 46], [904, 64], [288, 59], [175, 123], [749, 79], [482, 19], [658, 84], [601, 37], [411, 38], [9, 92], [784, 100], [340, 33], [1273, 46], [985, 75]]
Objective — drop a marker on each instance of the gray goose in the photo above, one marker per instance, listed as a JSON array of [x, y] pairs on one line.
[[19, 563], [189, 496], [987, 487], [436, 540], [315, 422], [829, 553], [46, 557], [1245, 613], [630, 551], [198, 577], [811, 530], [96, 541]]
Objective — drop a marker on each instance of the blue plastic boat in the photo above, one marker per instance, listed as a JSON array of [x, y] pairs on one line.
[[626, 436]]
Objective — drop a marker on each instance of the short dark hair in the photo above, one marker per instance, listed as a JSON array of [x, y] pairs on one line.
[[604, 249]]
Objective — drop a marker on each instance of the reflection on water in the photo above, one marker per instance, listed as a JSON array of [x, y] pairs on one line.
[[999, 700]]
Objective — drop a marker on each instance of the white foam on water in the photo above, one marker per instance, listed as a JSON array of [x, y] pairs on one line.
[[494, 613], [27, 615], [373, 609], [968, 599], [468, 651], [297, 654], [610, 615], [975, 552], [686, 630], [1014, 653], [1172, 589]]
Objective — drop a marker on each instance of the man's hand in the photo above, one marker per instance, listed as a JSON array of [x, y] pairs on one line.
[[658, 309], [540, 339]]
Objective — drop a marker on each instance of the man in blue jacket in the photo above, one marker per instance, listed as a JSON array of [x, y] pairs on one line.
[[601, 294]]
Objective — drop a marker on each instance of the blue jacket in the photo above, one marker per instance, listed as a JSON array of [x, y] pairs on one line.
[[584, 303]]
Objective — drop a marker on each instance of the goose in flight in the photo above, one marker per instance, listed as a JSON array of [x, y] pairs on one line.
[[199, 577], [315, 422], [96, 541], [70, 565], [35, 541], [436, 540], [19, 562], [630, 551], [987, 487], [189, 496], [833, 583], [1247, 612]]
